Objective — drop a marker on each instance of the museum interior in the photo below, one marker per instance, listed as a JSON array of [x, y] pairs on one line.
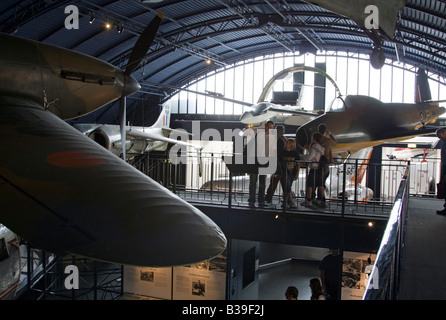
[[126, 166]]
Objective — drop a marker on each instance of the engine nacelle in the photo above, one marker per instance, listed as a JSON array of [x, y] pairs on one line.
[[109, 137]]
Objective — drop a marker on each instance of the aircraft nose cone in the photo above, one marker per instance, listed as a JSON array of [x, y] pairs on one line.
[[246, 117], [131, 85]]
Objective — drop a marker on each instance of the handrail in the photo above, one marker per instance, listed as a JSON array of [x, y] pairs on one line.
[[383, 283]]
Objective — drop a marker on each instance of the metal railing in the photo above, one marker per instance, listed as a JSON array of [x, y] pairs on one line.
[[354, 186], [384, 279]]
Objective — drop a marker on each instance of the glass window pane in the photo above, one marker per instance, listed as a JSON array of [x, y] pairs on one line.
[[201, 99], [363, 83], [409, 87], [386, 83], [397, 83]]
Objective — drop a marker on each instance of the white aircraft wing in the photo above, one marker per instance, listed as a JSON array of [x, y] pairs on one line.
[[62, 192], [160, 137]]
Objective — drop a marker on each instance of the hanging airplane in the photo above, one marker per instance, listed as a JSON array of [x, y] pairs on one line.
[[359, 122], [356, 121], [377, 18], [264, 110], [62, 192], [138, 139]]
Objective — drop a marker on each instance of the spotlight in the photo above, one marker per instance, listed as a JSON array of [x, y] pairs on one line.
[[108, 25], [371, 224], [208, 61]]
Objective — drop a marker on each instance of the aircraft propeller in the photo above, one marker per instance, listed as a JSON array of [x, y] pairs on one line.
[[139, 51]]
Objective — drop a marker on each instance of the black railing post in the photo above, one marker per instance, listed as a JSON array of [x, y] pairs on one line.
[[212, 174], [356, 182], [230, 190], [344, 195]]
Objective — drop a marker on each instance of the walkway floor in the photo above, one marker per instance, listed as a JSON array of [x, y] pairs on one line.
[[423, 267]]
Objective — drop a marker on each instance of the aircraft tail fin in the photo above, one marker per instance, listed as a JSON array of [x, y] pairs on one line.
[[422, 89], [163, 120]]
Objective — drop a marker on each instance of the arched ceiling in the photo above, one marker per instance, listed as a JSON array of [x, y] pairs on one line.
[[225, 31]]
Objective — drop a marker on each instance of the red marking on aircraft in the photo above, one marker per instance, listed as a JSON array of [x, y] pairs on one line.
[[74, 159]]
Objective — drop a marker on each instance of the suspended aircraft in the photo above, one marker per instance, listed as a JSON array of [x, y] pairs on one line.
[[378, 21], [360, 121], [62, 192], [138, 139], [356, 121], [264, 110]]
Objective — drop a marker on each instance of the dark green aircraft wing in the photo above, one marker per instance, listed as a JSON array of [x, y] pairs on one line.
[[62, 192]]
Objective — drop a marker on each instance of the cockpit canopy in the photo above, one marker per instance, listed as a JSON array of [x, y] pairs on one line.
[[337, 105]]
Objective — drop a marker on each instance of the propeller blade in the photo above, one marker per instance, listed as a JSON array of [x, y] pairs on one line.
[[143, 44], [140, 49], [122, 120]]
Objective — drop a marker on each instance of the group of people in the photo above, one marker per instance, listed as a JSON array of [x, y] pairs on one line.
[[289, 157], [329, 286], [292, 292]]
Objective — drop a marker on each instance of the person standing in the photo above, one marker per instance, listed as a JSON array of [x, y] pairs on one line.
[[331, 271], [316, 290], [314, 178], [441, 134], [277, 176], [290, 171], [253, 177], [327, 142]]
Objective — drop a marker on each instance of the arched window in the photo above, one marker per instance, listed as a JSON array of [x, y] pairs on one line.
[[244, 81]]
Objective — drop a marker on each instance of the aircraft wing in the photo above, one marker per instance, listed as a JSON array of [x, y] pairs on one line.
[[435, 102], [294, 117], [62, 192], [355, 10], [309, 114], [160, 137], [299, 119]]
